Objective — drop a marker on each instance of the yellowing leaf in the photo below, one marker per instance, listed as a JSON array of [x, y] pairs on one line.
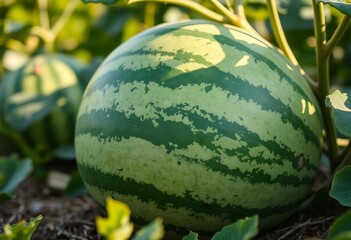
[[117, 225], [122, 233]]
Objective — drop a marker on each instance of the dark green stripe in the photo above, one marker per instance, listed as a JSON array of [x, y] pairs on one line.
[[97, 124], [261, 96], [148, 193], [235, 86]]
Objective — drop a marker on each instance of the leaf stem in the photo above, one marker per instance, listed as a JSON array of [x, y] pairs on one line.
[[43, 14], [236, 20], [194, 6], [283, 43], [150, 11], [45, 31], [229, 6], [279, 32], [346, 151], [337, 34], [323, 80], [64, 18], [344, 158]]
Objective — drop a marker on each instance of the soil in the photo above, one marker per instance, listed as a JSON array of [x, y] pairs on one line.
[[74, 218]]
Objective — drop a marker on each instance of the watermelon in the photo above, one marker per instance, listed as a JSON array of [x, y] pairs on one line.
[[199, 123], [40, 100]]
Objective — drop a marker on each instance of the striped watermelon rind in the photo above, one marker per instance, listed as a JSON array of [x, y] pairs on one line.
[[199, 123], [44, 75]]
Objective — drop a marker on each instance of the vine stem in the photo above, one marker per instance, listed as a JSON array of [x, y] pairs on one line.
[[323, 79], [150, 12], [43, 14], [337, 34], [283, 43], [279, 32], [45, 31], [236, 20], [65, 16], [345, 160]]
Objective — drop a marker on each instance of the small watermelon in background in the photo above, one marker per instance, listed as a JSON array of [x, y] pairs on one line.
[[41, 99], [201, 124]]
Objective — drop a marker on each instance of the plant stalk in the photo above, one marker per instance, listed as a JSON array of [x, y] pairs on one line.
[[279, 32], [337, 34], [64, 18], [234, 19], [324, 80], [43, 14], [345, 160], [45, 31], [283, 43], [150, 12]]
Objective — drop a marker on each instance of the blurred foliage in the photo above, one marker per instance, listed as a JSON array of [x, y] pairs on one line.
[[12, 172], [92, 31], [22, 230], [87, 32]]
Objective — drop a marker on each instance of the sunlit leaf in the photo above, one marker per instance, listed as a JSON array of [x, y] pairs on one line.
[[341, 186], [341, 227], [21, 230], [191, 236], [243, 229], [343, 6], [107, 2], [23, 109], [117, 224], [153, 231], [340, 102], [12, 172]]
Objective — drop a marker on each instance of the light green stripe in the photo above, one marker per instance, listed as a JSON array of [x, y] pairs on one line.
[[217, 188], [149, 211], [180, 217]]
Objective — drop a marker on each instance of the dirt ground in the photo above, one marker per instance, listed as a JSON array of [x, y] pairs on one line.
[[74, 218]]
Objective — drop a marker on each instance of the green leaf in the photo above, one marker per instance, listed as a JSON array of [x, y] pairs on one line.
[[117, 224], [341, 227], [21, 230], [23, 108], [340, 103], [106, 2], [153, 231], [243, 229], [191, 236], [341, 186], [76, 186], [66, 152], [342, 5], [12, 172]]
